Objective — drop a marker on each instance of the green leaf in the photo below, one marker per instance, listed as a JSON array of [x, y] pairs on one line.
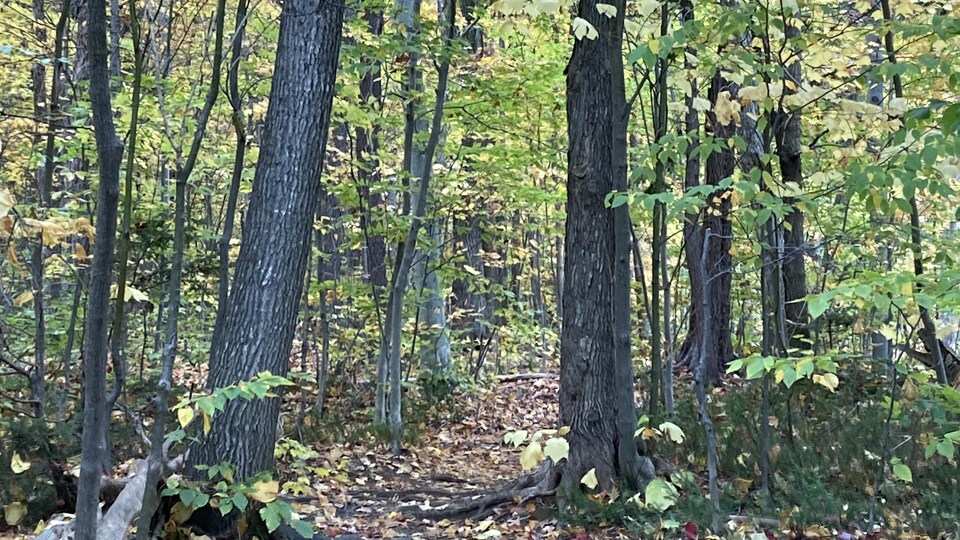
[[304, 528], [240, 501], [789, 376], [271, 518], [817, 304], [945, 449], [755, 369], [660, 494], [902, 472]]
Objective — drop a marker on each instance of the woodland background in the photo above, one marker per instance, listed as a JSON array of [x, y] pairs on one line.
[[730, 227]]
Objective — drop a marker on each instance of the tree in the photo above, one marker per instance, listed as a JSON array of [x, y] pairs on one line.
[[258, 328], [109, 153], [714, 216], [596, 381]]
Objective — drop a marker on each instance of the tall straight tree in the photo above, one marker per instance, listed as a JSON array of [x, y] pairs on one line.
[[596, 380], [109, 154], [715, 216], [259, 324]]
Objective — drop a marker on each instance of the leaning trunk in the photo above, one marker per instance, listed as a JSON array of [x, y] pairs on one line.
[[262, 312]]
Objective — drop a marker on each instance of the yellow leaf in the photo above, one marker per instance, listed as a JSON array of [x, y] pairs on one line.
[[753, 93], [828, 380], [590, 479], [23, 298], [607, 9], [563, 431], [673, 431], [556, 449], [515, 438], [79, 252], [12, 256], [471, 270], [18, 465], [131, 294], [6, 204], [531, 456], [14, 512], [701, 104], [265, 491], [909, 391], [727, 110], [206, 422], [906, 288], [583, 29], [184, 416]]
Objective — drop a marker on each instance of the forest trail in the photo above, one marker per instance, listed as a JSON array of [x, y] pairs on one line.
[[372, 494]]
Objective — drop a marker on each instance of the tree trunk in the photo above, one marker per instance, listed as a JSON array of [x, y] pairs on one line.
[[239, 151], [258, 329], [109, 152], [715, 216], [368, 144], [594, 380], [794, 269]]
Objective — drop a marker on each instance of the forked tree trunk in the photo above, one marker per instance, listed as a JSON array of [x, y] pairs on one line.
[[259, 325]]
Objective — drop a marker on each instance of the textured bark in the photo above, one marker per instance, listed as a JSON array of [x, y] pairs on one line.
[[794, 270], [715, 216], [109, 152], [258, 330], [593, 385]]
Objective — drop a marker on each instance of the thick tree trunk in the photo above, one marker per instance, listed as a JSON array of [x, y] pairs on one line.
[[258, 329], [594, 381]]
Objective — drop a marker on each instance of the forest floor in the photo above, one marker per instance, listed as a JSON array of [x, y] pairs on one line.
[[458, 454]]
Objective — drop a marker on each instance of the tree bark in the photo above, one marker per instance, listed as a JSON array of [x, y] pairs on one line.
[[268, 282], [794, 268], [715, 216], [109, 152], [596, 383]]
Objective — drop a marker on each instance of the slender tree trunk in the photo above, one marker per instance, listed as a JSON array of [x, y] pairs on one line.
[[118, 330], [794, 241], [700, 374], [240, 147], [658, 249], [268, 282], [109, 152], [367, 148], [928, 333], [405, 252], [715, 216]]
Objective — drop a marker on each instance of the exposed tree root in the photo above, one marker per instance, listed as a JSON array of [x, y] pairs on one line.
[[127, 495], [511, 377], [538, 482]]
